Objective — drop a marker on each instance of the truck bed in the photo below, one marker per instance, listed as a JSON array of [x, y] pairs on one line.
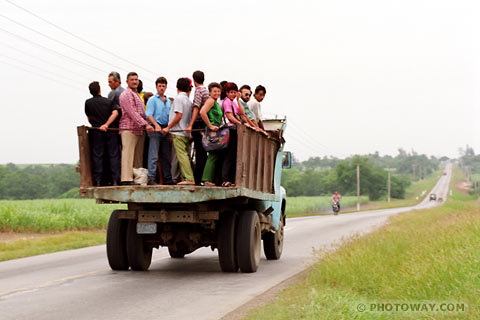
[[171, 194], [257, 157]]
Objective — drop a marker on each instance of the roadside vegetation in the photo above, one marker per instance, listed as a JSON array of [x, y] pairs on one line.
[[54, 215], [307, 206], [32, 227], [40, 181], [322, 176], [26, 245], [470, 165], [423, 256]]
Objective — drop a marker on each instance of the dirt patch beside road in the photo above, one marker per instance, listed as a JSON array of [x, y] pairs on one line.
[[463, 186], [7, 237]]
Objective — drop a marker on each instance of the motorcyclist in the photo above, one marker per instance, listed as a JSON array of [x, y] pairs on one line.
[[336, 198]]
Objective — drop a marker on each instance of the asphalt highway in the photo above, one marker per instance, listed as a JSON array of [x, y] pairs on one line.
[[78, 284]]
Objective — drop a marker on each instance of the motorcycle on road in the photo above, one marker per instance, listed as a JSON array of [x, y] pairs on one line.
[[335, 207]]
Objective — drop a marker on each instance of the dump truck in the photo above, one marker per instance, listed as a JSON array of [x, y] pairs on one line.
[[233, 220]]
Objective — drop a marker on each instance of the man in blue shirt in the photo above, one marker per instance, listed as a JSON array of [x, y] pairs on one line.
[[158, 109]]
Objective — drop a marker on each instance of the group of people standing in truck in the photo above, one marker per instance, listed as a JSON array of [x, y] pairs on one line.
[[165, 130]]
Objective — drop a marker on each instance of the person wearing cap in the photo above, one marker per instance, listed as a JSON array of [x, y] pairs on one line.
[[178, 122]]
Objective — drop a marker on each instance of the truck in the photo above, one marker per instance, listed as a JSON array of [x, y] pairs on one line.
[[233, 220]]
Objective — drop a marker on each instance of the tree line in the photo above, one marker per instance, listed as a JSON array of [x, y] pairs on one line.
[[470, 164], [313, 177], [21, 182], [322, 176]]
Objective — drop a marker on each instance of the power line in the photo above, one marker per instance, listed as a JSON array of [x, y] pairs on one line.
[[40, 75], [36, 67], [311, 140], [61, 42], [43, 60], [77, 37], [307, 136], [305, 146], [51, 50]]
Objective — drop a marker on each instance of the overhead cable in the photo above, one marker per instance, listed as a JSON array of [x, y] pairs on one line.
[[78, 37]]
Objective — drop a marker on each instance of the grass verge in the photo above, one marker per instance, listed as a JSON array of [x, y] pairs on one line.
[[47, 243], [424, 256], [54, 215]]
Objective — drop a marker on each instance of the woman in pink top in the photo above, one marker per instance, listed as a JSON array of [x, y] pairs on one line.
[[231, 111]]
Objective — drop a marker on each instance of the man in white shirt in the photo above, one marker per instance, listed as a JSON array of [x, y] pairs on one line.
[[178, 121], [254, 104]]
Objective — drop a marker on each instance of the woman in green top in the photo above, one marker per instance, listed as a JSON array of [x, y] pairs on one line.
[[212, 115]]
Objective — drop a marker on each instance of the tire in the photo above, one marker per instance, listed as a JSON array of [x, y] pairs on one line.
[[248, 241], [227, 254], [138, 253], [273, 243], [116, 242]]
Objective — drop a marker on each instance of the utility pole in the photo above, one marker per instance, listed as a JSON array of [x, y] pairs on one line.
[[358, 187], [388, 198]]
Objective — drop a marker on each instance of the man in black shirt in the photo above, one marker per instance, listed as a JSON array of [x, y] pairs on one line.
[[101, 113]]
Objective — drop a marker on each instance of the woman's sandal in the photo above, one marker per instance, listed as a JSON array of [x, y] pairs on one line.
[[186, 183], [228, 184], [208, 184]]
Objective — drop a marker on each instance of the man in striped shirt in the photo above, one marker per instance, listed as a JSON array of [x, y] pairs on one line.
[[201, 95], [132, 125]]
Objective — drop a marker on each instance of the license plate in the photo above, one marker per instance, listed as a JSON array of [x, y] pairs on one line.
[[146, 228]]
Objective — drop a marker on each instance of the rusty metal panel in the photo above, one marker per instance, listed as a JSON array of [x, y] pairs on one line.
[[252, 166], [127, 214], [85, 158], [266, 165], [241, 157], [260, 164], [180, 216]]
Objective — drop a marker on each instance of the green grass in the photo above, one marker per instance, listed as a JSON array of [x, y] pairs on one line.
[[53, 215], [47, 243], [430, 255]]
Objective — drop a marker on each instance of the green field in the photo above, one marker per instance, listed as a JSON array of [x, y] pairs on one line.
[[53, 215], [424, 256]]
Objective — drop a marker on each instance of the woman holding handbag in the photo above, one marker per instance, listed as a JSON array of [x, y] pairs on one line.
[[211, 113]]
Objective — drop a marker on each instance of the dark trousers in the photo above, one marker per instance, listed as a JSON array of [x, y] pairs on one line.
[[200, 155], [160, 144], [230, 158], [108, 141]]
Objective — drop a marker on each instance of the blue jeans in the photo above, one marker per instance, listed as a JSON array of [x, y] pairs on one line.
[[159, 143]]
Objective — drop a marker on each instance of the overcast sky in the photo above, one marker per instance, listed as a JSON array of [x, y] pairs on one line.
[[352, 77]]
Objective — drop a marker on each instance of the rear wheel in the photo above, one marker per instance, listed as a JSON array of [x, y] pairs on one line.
[[226, 242], [138, 252], [248, 241], [116, 242], [273, 243]]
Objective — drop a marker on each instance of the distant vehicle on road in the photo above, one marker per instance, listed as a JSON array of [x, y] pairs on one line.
[[440, 198], [444, 173], [433, 196]]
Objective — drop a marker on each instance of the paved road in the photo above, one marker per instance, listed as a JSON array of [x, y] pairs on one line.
[[78, 284]]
